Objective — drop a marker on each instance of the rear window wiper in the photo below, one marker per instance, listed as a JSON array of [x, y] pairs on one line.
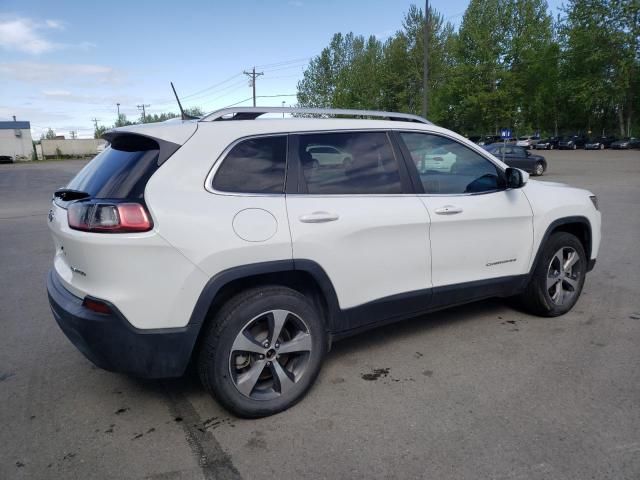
[[68, 194]]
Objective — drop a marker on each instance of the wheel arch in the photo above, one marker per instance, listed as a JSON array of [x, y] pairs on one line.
[[576, 225], [304, 276]]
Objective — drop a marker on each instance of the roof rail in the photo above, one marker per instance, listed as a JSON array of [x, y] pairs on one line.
[[251, 113]]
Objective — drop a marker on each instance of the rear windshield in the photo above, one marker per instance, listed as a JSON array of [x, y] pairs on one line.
[[118, 173]]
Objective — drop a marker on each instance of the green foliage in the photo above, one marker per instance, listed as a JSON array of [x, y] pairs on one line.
[[99, 131], [50, 135], [508, 65], [122, 121]]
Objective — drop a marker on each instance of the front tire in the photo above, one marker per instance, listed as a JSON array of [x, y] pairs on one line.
[[558, 278], [539, 169], [262, 351]]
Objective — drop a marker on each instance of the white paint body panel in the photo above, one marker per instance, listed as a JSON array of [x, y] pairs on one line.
[[378, 246], [199, 223], [552, 201], [381, 245], [148, 280], [470, 245]]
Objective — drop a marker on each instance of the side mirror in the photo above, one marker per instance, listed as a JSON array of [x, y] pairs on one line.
[[515, 178]]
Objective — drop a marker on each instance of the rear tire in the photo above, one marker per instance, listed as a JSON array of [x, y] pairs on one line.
[[558, 278], [262, 351]]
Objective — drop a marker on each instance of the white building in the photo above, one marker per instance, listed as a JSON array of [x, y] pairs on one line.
[[15, 141]]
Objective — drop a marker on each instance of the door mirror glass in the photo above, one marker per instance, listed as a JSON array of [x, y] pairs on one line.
[[515, 178]]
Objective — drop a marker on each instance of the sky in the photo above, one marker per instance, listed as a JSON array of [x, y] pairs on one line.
[[64, 63]]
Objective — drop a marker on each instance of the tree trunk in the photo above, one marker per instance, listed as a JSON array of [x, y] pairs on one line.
[[621, 121]]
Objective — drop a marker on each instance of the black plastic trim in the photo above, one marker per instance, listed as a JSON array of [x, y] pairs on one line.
[[557, 223], [166, 148], [112, 343]]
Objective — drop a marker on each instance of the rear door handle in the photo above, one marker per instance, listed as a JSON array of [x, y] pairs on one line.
[[319, 217], [448, 210]]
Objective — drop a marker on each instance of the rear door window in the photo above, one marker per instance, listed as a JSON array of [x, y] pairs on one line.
[[348, 163], [255, 165]]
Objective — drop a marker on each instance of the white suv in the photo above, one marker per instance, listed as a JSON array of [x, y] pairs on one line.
[[224, 241]]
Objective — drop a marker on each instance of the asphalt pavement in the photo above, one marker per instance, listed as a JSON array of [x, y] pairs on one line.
[[480, 392]]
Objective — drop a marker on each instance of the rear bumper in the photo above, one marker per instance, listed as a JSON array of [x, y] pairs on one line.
[[112, 343]]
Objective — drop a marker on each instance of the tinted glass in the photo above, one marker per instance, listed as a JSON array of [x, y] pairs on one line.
[[117, 174], [448, 167], [360, 163], [256, 165]]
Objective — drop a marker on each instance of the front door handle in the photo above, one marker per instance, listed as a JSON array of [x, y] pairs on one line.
[[319, 217], [448, 210]]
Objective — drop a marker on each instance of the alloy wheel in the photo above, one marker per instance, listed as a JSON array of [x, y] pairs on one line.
[[270, 355], [563, 275]]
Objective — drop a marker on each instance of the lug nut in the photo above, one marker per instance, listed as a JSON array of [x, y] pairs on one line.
[[261, 357], [277, 345], [265, 344], [268, 364]]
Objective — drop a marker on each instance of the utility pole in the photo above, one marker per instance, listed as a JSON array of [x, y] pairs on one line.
[[144, 113], [95, 122], [425, 75], [73, 134], [282, 107], [252, 82], [118, 107]]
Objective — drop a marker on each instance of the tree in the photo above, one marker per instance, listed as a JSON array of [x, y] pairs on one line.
[[122, 121], [99, 131], [600, 67], [50, 135], [194, 111], [364, 73]]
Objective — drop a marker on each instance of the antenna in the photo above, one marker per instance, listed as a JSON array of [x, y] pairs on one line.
[[185, 116]]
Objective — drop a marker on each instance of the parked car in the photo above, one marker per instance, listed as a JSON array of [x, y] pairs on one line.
[[528, 141], [519, 157], [599, 143], [572, 143], [626, 143], [6, 159], [213, 243], [548, 143], [328, 155], [489, 139]]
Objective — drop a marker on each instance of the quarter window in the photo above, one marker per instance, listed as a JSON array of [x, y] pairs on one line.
[[256, 165], [448, 167], [349, 163]]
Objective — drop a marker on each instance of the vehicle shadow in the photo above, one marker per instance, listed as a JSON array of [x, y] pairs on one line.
[[397, 331], [189, 384]]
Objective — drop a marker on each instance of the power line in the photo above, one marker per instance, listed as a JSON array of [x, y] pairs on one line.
[[253, 76], [286, 62]]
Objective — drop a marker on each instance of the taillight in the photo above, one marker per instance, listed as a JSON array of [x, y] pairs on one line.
[[109, 217]]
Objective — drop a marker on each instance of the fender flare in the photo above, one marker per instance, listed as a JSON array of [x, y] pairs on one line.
[[218, 281], [564, 221]]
